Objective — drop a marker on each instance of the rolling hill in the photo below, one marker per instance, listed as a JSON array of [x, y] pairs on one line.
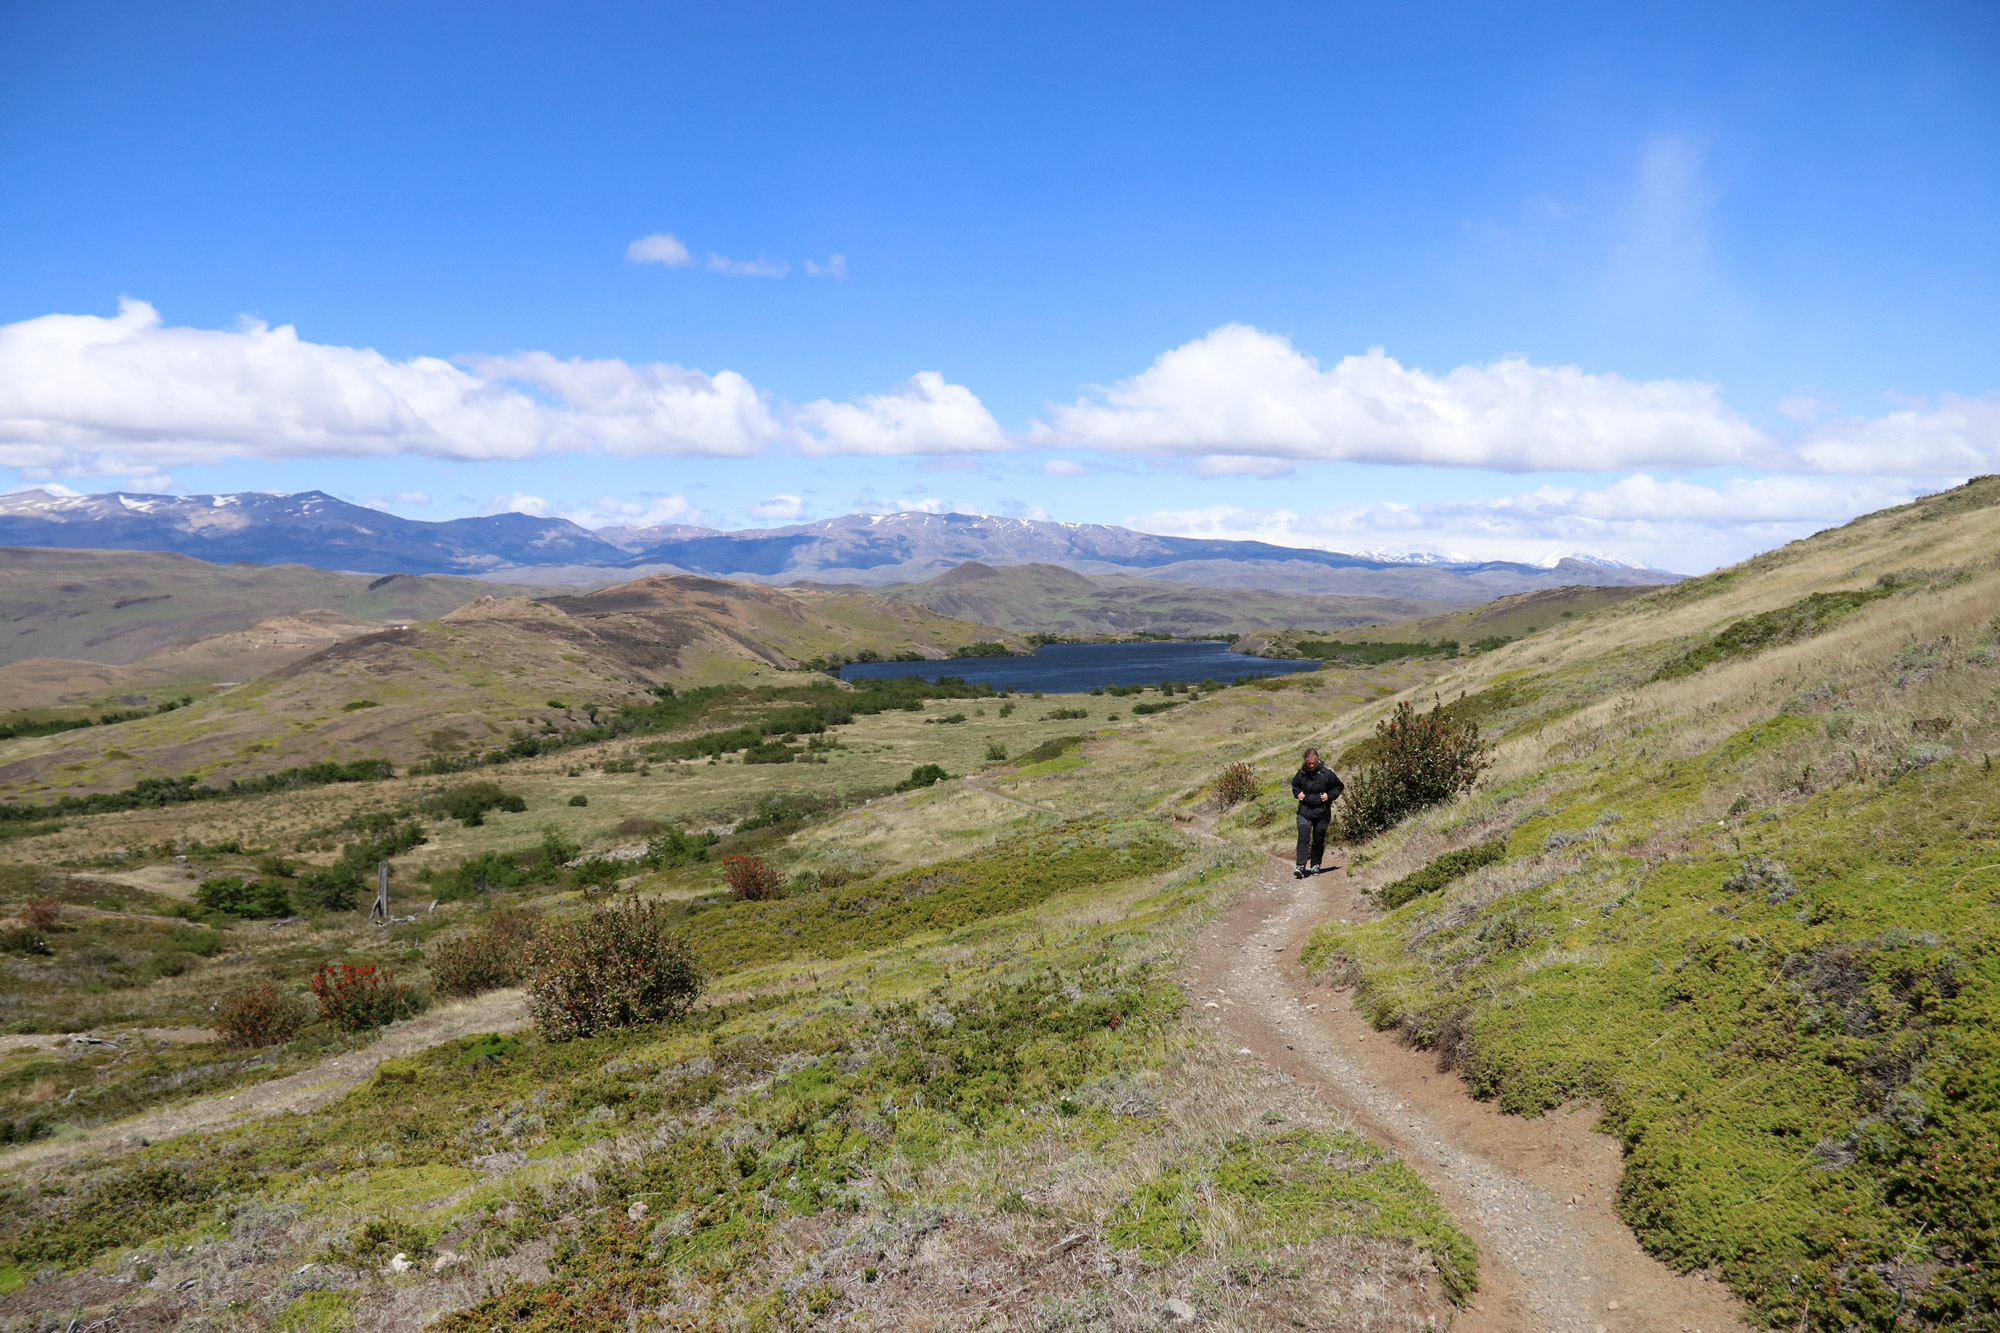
[[118, 606], [1049, 599], [489, 669]]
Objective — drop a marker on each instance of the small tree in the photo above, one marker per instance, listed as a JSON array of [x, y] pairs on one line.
[[750, 880], [260, 1015], [1234, 785], [622, 965], [1421, 760], [355, 997]]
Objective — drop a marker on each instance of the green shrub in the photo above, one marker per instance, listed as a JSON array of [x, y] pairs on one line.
[[1064, 714], [674, 848], [333, 889], [260, 1015], [469, 802], [579, 799], [1141, 710], [1053, 748], [599, 871], [1442, 871], [995, 751], [1423, 759], [622, 965], [244, 897], [491, 956], [923, 775], [355, 997]]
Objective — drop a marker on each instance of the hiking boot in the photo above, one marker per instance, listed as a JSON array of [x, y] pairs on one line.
[[1298, 872]]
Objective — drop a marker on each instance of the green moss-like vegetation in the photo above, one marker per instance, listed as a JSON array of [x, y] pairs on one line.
[[1290, 1188], [1451, 866], [1792, 1032], [1808, 616]]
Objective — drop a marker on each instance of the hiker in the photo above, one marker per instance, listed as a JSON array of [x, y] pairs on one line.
[[1316, 787]]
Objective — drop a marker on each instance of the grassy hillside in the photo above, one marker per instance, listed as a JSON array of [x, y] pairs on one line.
[[1473, 629], [493, 670], [946, 1080], [1048, 599], [117, 607], [1744, 899], [67, 687]]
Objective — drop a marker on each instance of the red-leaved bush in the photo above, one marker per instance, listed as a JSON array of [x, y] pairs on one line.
[[1234, 785], [260, 1015], [354, 997], [1420, 760], [42, 914], [750, 879], [622, 965]]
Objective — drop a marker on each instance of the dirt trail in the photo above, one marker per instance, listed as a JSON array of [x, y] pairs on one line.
[[1534, 1194], [496, 1011]]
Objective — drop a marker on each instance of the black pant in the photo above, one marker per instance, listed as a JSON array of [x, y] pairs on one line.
[[1312, 834]]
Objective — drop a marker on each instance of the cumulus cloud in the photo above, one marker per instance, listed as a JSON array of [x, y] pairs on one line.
[[1243, 399], [1667, 523], [834, 267], [662, 247], [89, 396], [787, 507], [634, 411], [924, 415]]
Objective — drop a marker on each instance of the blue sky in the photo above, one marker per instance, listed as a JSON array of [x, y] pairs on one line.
[[1665, 283]]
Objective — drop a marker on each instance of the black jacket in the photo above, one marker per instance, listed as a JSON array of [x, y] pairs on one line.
[[1314, 784]]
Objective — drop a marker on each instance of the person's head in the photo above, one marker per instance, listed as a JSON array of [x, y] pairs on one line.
[[1311, 759]]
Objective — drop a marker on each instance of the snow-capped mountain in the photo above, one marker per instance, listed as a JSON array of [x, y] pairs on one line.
[[314, 528]]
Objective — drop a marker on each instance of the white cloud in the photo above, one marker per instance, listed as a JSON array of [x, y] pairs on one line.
[[1956, 436], [835, 267], [788, 507], [750, 268], [603, 511], [1064, 467], [1240, 394], [1666, 523], [520, 502], [921, 416], [82, 395], [662, 247], [634, 411]]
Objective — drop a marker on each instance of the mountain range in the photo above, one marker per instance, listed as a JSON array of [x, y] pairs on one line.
[[314, 528]]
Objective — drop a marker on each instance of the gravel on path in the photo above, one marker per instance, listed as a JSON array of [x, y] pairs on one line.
[[1534, 1194]]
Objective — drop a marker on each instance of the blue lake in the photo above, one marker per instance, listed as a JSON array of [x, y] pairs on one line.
[[1068, 668]]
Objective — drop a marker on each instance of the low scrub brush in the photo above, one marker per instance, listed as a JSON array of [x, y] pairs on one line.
[[492, 956], [750, 879], [260, 1015], [1234, 785], [620, 966], [355, 997]]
